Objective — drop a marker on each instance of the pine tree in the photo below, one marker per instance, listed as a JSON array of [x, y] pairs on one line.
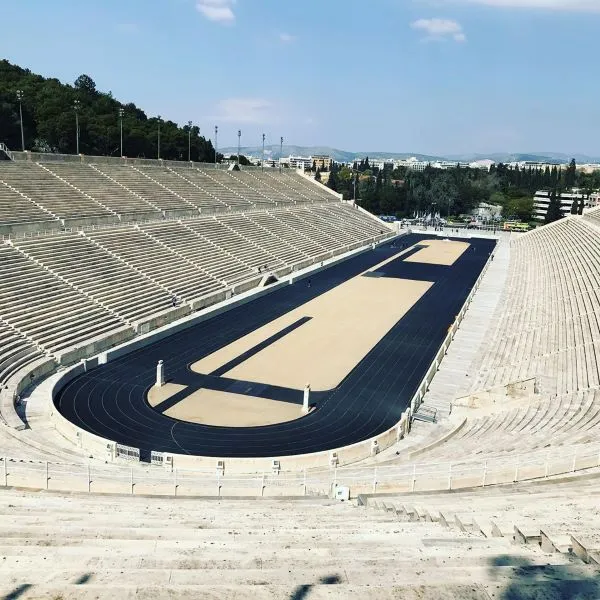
[[574, 207], [554, 212], [581, 206], [571, 174], [332, 183], [318, 175]]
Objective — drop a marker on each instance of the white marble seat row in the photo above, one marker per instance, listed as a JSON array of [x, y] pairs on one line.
[[46, 309], [549, 321], [103, 189], [523, 427], [51, 193], [56, 546], [98, 274], [16, 351]]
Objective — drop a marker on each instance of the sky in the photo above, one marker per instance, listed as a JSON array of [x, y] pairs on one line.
[[439, 77]]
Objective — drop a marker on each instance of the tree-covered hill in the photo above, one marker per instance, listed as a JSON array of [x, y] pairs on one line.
[[49, 120]]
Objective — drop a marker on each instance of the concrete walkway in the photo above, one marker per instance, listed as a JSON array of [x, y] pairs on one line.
[[462, 360]]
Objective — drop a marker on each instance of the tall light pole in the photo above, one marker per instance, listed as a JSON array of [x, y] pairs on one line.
[[20, 99], [239, 144], [121, 114], [262, 162], [280, 152], [216, 143], [158, 139], [189, 141], [76, 106]]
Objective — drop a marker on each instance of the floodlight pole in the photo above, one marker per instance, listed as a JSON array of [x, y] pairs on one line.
[[262, 162], [280, 152], [20, 99], [121, 113], [158, 140], [216, 143], [76, 106], [189, 141]]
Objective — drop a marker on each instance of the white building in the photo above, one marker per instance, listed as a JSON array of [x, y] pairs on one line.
[[541, 201], [594, 200], [487, 212]]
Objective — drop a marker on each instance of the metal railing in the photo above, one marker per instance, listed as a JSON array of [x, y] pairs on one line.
[[161, 479]]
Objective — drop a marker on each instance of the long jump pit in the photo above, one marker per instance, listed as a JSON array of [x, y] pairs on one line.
[[318, 343]]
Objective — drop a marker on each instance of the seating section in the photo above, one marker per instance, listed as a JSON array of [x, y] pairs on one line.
[[523, 428], [301, 185], [549, 326], [185, 239], [100, 275], [53, 194], [61, 546], [180, 181], [251, 189], [171, 270], [276, 187], [218, 184], [593, 216], [17, 210], [16, 351], [104, 190], [142, 183], [46, 309], [559, 519]]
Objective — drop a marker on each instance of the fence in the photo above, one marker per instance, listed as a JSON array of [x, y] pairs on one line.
[[407, 478]]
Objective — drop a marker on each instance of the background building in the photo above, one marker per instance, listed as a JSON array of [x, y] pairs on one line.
[[541, 200]]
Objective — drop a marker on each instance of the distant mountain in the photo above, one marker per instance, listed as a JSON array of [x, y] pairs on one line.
[[273, 151], [548, 157]]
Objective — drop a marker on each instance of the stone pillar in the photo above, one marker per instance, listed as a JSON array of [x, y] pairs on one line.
[[160, 374], [306, 399]]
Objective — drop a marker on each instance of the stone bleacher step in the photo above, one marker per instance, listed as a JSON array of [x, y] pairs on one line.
[[346, 572]]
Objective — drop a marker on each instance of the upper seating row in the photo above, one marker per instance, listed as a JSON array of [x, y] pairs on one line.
[[43, 196], [594, 216]]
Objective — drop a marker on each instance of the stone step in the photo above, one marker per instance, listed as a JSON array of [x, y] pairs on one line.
[[375, 575]]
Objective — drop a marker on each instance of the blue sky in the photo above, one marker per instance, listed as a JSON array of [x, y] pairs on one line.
[[427, 76]]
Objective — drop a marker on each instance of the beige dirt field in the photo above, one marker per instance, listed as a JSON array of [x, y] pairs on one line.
[[346, 323], [212, 407], [156, 395], [439, 252]]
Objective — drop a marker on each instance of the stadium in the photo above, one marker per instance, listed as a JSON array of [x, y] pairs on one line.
[[256, 386]]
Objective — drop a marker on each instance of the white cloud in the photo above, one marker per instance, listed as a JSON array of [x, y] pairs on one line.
[[440, 29], [220, 11], [245, 110], [287, 38], [564, 5]]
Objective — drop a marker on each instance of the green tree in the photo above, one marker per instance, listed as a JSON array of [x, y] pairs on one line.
[[49, 120], [554, 212], [571, 174], [318, 175], [581, 206], [574, 207], [84, 83]]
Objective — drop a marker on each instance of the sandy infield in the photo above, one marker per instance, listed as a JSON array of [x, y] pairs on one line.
[[439, 252], [346, 323]]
